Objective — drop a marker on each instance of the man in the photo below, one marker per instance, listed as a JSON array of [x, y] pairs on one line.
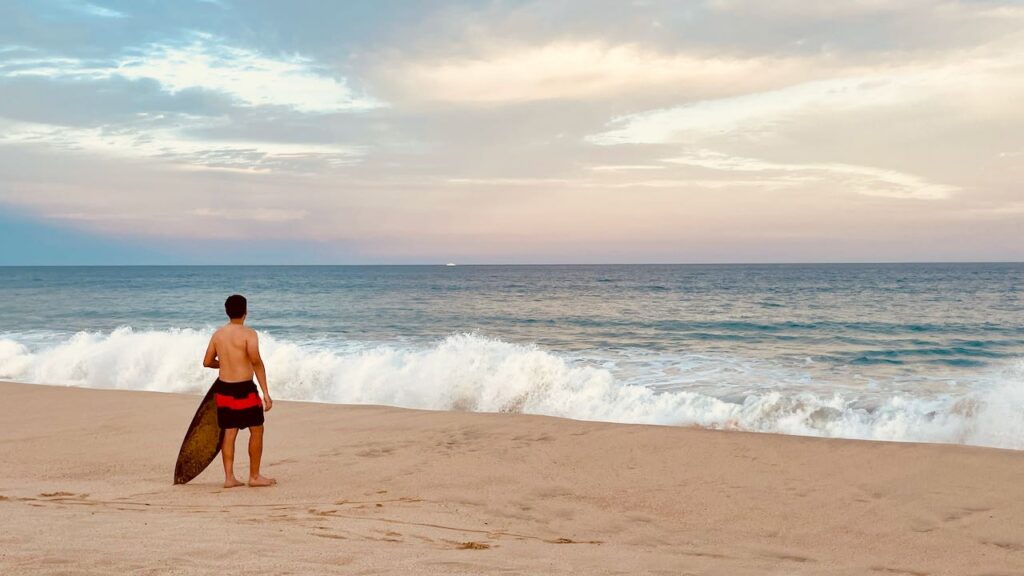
[[235, 351]]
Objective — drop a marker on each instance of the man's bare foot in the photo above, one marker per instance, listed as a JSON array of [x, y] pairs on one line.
[[232, 483], [261, 481]]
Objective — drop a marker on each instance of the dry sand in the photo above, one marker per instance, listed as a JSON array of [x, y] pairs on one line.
[[85, 488]]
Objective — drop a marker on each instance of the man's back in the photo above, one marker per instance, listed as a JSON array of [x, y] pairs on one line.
[[235, 351], [233, 343]]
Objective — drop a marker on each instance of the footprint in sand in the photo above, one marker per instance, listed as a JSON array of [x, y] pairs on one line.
[[1012, 546], [331, 536], [571, 541], [964, 513], [888, 570]]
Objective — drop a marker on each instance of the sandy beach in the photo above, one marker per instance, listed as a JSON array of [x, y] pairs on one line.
[[85, 488]]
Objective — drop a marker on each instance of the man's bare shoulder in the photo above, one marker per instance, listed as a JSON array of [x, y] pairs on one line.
[[239, 332]]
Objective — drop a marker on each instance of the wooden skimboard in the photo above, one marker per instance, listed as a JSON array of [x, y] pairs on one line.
[[202, 442]]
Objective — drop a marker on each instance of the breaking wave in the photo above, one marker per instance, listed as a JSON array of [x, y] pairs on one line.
[[476, 373]]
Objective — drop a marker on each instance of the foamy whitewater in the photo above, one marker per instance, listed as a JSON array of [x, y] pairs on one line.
[[913, 354], [470, 372]]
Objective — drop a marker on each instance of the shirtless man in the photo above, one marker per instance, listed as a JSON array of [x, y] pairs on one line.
[[235, 351]]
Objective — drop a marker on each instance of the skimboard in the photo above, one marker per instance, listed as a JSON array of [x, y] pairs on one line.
[[202, 442]]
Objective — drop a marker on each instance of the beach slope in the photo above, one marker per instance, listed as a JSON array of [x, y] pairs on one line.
[[85, 488]]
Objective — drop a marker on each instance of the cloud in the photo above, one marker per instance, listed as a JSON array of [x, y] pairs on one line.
[[52, 67], [582, 70], [171, 143], [250, 77], [625, 167], [254, 215], [959, 79], [531, 182], [105, 101], [206, 62], [96, 10], [866, 180], [797, 9], [750, 113]]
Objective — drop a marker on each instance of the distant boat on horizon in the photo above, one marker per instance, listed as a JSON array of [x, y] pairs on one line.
[[451, 264]]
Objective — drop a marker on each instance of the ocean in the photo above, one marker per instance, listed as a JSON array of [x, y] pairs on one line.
[[910, 352]]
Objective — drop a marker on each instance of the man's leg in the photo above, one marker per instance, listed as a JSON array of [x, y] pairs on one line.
[[227, 450], [255, 455]]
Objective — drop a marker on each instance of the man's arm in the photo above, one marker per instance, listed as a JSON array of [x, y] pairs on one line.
[[253, 348], [211, 360]]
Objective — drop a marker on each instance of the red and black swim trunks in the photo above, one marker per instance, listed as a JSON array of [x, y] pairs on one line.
[[238, 404]]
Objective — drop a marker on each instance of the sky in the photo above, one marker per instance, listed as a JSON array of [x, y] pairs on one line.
[[549, 131]]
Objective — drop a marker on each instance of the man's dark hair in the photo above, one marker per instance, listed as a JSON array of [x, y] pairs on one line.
[[235, 306]]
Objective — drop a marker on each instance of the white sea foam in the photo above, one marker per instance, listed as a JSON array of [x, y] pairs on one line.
[[471, 372]]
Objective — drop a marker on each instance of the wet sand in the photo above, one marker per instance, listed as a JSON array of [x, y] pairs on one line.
[[85, 488]]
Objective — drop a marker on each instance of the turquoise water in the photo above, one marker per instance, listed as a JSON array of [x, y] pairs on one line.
[[928, 352]]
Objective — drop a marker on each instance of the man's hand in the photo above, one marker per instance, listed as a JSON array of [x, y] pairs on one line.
[[267, 403]]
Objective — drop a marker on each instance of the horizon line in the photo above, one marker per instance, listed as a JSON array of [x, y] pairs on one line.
[[494, 264]]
